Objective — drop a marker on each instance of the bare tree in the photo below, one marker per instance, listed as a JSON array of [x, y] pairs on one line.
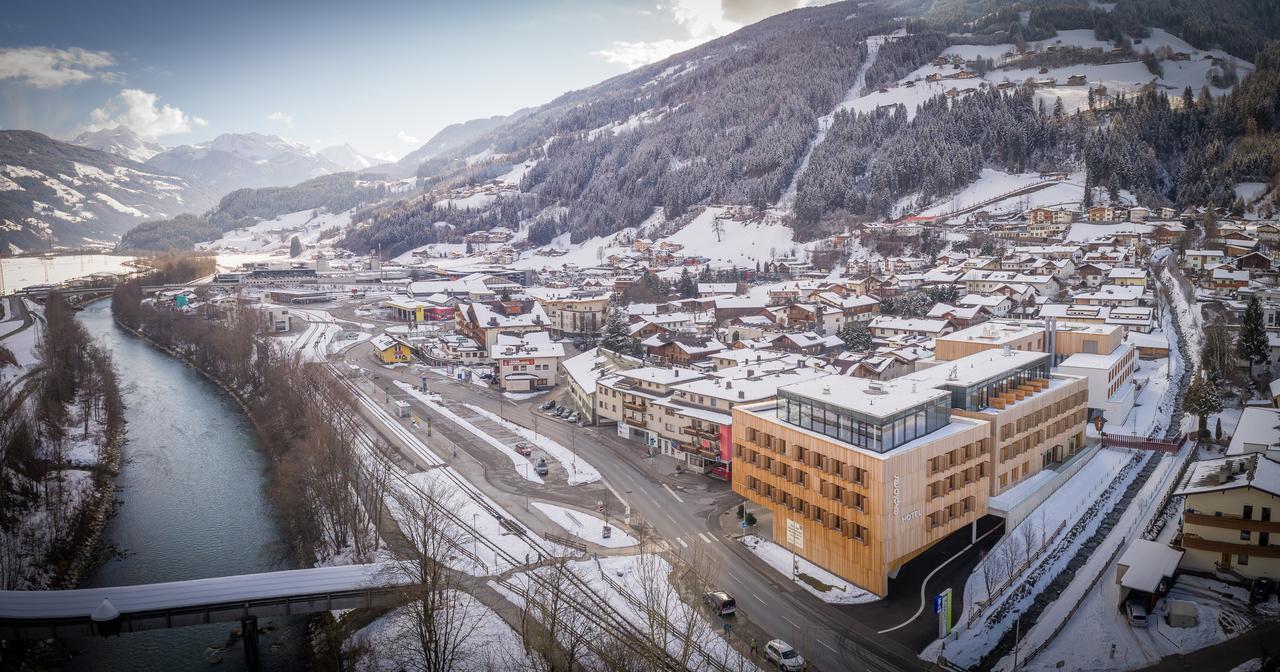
[[1030, 538], [440, 617]]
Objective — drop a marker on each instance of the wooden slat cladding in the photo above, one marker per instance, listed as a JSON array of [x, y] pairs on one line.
[[862, 515]]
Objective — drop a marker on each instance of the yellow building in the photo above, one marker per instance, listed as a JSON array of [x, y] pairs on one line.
[[391, 350], [1231, 509]]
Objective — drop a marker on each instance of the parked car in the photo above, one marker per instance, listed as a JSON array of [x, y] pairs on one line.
[[541, 467], [720, 602], [548, 404], [560, 411], [1261, 590], [573, 417], [1137, 613], [524, 449], [781, 654]]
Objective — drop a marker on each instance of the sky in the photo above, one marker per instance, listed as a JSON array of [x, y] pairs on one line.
[[383, 76]]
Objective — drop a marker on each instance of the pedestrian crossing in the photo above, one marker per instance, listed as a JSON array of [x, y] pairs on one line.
[[687, 541]]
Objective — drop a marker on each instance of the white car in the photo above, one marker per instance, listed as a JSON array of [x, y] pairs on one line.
[[782, 655]]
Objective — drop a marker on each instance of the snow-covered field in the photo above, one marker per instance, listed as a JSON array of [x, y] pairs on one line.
[[1083, 232], [838, 591], [586, 526], [487, 642], [272, 236], [580, 471]]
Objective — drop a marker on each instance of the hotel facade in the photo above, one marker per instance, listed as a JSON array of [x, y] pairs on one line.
[[862, 476]]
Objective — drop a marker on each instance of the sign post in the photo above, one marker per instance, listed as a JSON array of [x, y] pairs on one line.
[[942, 607]]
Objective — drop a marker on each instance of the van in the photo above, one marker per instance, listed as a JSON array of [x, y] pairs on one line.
[[1136, 613], [720, 602]]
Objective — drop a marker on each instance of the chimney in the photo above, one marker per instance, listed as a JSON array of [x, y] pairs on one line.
[[742, 394]]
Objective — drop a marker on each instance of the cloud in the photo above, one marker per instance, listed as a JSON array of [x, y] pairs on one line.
[[49, 68], [281, 117], [700, 21], [138, 110], [635, 54], [406, 138], [386, 156]]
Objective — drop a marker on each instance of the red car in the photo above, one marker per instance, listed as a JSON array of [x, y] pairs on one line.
[[524, 449]]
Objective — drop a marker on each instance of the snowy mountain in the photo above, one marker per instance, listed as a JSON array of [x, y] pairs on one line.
[[347, 157], [55, 193], [449, 138], [121, 141], [237, 160]]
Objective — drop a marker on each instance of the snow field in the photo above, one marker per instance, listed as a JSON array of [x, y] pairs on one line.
[[488, 643], [580, 471]]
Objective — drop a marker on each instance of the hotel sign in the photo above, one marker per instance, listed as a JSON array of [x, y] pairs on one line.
[[795, 534]]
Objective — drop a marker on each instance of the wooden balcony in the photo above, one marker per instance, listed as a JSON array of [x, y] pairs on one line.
[[633, 406], [1231, 522], [701, 433], [1194, 542], [634, 422]]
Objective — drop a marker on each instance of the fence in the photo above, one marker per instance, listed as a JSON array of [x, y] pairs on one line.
[[1143, 442], [566, 541]]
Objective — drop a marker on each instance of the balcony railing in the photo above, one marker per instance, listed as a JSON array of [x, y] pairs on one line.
[[1197, 543], [1232, 522], [630, 405], [702, 433]]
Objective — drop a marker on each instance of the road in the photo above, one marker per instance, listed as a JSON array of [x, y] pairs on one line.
[[685, 511]]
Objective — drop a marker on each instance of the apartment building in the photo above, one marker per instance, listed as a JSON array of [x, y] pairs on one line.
[[572, 312], [625, 398], [861, 475], [1229, 513], [483, 322]]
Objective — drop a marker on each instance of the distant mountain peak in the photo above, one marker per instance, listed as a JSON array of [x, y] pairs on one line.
[[348, 157], [120, 141]]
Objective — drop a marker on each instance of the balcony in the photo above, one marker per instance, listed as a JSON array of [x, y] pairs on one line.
[[709, 453], [632, 406], [1194, 542], [1193, 517], [701, 433], [634, 421]]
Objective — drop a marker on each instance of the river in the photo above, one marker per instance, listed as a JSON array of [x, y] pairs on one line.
[[191, 505]]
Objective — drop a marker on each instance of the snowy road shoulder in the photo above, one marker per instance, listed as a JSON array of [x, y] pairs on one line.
[[826, 586], [580, 471], [586, 526]]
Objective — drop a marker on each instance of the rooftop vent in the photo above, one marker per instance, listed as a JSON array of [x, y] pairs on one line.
[[876, 388], [742, 394], [826, 390], [953, 374]]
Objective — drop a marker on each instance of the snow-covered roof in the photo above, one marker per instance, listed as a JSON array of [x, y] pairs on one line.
[[1127, 273], [660, 375], [383, 342], [995, 332], [1086, 360], [530, 345], [1258, 431], [1231, 473], [860, 395], [1146, 563], [909, 324], [1112, 293]]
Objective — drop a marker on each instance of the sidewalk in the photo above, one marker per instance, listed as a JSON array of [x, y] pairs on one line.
[[1261, 642]]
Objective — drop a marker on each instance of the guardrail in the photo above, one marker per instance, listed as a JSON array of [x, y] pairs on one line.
[[565, 541]]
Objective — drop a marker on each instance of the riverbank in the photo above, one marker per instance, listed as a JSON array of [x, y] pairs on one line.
[[193, 501]]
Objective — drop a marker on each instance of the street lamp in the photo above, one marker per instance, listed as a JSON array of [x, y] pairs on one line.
[[475, 537]]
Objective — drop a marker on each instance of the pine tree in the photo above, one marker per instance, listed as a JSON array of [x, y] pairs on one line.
[[1202, 400], [295, 247], [1252, 344], [686, 287], [617, 333], [855, 335], [1113, 189]]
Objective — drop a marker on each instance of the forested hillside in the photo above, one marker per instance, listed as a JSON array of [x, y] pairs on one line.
[[243, 207], [731, 122]]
